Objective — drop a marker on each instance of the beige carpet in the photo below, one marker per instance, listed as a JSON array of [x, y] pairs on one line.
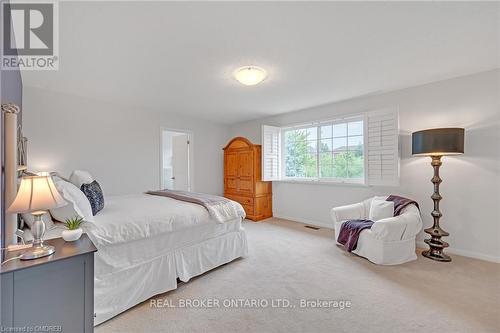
[[288, 261]]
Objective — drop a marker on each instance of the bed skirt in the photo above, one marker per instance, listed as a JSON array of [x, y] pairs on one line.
[[117, 292]]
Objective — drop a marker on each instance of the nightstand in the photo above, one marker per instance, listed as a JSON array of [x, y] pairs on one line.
[[50, 294]]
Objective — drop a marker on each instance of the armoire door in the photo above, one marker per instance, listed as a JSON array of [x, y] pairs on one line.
[[245, 163], [231, 164], [231, 184], [245, 171], [231, 171]]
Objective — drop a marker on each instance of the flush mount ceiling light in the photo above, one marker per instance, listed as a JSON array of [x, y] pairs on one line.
[[250, 75]]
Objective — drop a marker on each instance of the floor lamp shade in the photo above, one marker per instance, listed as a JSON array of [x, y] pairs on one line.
[[438, 142]]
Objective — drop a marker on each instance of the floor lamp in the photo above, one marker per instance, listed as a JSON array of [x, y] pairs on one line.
[[437, 143]]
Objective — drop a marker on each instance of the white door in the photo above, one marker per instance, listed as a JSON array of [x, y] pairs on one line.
[[166, 160], [175, 163], [180, 162]]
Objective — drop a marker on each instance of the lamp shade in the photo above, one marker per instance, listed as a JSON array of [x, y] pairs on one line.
[[36, 193], [438, 142]]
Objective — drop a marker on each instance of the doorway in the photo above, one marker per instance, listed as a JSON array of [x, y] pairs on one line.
[[175, 160]]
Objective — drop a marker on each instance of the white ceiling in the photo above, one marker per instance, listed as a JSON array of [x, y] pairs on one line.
[[179, 56]]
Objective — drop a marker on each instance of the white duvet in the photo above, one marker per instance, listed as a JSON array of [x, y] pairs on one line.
[[134, 229], [134, 217]]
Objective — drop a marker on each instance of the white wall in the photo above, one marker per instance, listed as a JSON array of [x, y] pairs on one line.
[[119, 145], [471, 182]]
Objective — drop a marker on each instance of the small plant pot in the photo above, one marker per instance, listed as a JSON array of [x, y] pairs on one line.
[[72, 235]]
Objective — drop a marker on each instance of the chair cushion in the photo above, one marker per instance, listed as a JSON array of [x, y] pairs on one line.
[[381, 209], [389, 229]]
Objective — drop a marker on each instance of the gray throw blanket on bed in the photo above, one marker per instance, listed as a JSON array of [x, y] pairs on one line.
[[219, 208]]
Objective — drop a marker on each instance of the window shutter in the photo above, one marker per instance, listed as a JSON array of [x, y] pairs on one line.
[[382, 128], [271, 153]]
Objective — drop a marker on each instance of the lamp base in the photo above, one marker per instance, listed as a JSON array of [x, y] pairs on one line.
[[38, 252], [435, 243], [438, 256]]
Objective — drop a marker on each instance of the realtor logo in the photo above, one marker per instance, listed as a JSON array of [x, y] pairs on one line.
[[30, 36]]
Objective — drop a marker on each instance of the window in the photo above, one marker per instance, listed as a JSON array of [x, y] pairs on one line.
[[328, 151], [357, 149]]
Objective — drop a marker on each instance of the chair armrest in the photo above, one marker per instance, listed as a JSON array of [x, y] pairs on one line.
[[405, 226], [348, 212]]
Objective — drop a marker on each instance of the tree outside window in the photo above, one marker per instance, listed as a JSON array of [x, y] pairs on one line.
[[327, 151]]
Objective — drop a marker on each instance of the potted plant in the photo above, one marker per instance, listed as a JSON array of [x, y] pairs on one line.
[[74, 231]]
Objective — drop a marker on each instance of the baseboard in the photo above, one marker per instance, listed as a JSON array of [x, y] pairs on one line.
[[464, 253], [420, 244], [304, 221]]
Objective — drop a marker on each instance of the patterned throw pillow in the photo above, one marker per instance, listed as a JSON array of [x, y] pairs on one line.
[[93, 192]]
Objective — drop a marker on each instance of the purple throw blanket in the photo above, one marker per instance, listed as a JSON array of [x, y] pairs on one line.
[[219, 208], [349, 233], [400, 203]]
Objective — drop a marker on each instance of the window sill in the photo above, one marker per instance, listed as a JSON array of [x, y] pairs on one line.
[[323, 182]]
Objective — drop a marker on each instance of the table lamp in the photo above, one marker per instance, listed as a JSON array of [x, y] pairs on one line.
[[37, 194], [437, 143]]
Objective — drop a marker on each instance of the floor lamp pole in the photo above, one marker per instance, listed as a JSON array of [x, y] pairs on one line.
[[435, 243]]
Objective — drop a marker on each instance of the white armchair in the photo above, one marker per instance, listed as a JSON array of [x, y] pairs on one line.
[[390, 241]]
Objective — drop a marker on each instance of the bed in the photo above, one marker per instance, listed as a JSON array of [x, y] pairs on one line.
[[145, 243]]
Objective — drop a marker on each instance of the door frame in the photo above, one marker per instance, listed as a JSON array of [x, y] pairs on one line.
[[190, 161]]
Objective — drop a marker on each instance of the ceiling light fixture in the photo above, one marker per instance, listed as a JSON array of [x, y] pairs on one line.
[[250, 75]]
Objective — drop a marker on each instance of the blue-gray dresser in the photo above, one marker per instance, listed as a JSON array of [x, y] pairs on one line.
[[50, 294]]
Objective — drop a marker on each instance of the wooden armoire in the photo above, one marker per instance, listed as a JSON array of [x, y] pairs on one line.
[[243, 179]]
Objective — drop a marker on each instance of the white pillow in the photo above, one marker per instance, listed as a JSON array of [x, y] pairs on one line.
[[78, 204], [381, 209], [29, 218], [79, 177]]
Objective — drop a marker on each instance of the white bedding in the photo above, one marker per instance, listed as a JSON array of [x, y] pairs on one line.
[[134, 229], [146, 242], [134, 217]]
